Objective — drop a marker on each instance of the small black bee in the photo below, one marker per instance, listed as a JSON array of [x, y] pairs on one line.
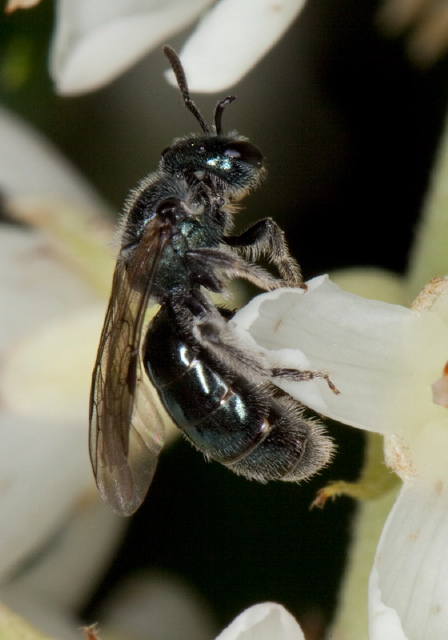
[[176, 246]]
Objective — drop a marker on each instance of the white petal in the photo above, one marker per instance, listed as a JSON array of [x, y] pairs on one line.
[[408, 589], [95, 40], [383, 358], [44, 467], [29, 165], [371, 282], [384, 621], [68, 569], [48, 372], [45, 471], [158, 606], [43, 613], [265, 622], [232, 38], [35, 287]]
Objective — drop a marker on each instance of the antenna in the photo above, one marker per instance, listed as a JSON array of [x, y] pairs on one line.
[[218, 113], [179, 72]]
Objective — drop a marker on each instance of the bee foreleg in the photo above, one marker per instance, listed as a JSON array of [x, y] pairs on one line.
[[231, 266], [266, 238]]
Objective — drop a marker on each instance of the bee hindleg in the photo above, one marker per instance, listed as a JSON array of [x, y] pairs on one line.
[[296, 375]]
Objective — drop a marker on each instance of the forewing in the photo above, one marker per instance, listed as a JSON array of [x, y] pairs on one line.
[[126, 429]]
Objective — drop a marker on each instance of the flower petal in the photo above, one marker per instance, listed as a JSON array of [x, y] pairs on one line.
[[384, 621], [263, 621], [30, 165], [383, 358], [158, 605], [232, 38], [44, 472], [371, 282], [13, 626], [408, 589], [43, 460], [96, 41], [82, 550], [47, 373], [35, 288]]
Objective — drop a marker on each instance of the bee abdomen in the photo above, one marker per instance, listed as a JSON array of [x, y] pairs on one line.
[[222, 415], [228, 418]]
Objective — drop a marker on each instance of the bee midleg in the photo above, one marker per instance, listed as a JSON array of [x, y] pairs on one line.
[[296, 375], [231, 266], [266, 238]]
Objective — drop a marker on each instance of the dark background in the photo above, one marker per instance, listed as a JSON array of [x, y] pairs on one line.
[[349, 128]]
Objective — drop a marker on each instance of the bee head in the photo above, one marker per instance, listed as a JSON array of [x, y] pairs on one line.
[[231, 161]]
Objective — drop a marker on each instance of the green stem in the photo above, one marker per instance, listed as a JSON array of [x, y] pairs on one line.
[[429, 256], [378, 487]]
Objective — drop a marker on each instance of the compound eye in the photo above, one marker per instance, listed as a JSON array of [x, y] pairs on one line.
[[244, 151]]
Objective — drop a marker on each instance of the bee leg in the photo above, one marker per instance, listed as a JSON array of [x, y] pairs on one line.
[[295, 375], [210, 329], [266, 238], [203, 261]]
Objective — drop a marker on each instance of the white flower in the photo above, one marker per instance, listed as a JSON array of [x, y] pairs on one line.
[[384, 359], [95, 40], [31, 166], [51, 316], [264, 621], [56, 273]]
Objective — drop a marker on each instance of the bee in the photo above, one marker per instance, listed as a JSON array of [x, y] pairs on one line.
[[177, 247]]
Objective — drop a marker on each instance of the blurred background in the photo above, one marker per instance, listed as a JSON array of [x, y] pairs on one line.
[[349, 127]]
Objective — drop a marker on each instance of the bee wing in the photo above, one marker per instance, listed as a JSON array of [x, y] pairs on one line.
[[126, 429]]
